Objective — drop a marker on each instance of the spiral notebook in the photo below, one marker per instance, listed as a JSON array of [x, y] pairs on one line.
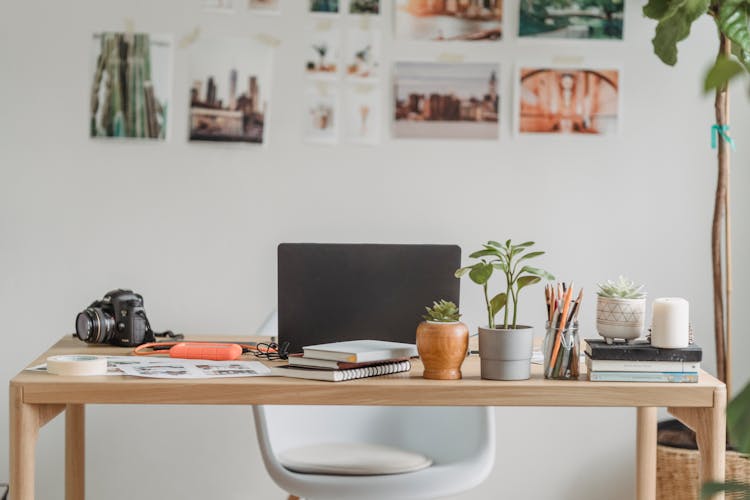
[[341, 375]]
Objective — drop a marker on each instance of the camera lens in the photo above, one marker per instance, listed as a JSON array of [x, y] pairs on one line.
[[94, 326]]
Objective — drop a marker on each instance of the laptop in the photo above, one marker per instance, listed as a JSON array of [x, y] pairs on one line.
[[336, 292]]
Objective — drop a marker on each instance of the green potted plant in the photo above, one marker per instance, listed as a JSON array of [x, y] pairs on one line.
[[505, 348], [620, 310], [442, 341]]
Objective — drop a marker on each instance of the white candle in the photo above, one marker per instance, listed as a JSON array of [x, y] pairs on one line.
[[671, 323]]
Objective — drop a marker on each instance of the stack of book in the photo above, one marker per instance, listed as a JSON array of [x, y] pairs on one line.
[[641, 362], [340, 361]]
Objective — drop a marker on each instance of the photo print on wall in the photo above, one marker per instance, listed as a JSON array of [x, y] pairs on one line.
[[572, 19], [446, 101], [264, 6], [324, 6], [230, 93], [321, 113], [568, 101], [364, 7], [362, 53], [323, 51], [131, 87], [446, 20], [362, 109]]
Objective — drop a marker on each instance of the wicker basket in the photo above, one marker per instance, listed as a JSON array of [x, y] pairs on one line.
[[677, 472]]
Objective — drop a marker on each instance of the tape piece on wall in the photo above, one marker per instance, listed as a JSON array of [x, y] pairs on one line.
[[190, 38]]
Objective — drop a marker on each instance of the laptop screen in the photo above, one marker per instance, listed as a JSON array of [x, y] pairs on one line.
[[337, 292]]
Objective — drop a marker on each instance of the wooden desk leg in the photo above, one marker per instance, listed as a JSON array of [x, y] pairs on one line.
[[75, 448], [646, 454], [24, 429], [710, 426]]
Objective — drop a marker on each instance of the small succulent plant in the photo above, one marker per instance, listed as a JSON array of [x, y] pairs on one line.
[[442, 312], [623, 288]]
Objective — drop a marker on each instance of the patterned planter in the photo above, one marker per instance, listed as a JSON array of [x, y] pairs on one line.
[[620, 318]]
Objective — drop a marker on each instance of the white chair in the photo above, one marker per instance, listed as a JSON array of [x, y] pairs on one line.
[[459, 440]]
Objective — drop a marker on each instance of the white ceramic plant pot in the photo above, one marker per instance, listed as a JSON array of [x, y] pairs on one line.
[[618, 318], [506, 354]]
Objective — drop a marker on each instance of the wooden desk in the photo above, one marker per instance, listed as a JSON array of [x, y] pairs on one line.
[[37, 398]]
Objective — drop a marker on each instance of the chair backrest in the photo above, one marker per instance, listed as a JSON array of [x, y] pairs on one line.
[[443, 433]]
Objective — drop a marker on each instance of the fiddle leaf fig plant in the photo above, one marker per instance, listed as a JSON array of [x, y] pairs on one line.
[[509, 260]]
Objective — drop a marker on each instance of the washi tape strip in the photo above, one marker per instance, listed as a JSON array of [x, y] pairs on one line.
[[77, 365]]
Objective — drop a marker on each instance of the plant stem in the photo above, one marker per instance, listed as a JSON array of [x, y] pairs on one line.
[[515, 307], [721, 108], [508, 290], [490, 318]]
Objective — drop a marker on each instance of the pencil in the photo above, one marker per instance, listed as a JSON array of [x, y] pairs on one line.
[[561, 328]]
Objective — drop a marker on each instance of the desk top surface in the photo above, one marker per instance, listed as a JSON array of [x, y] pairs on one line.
[[407, 388]]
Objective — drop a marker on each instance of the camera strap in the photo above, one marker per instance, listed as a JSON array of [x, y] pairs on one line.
[[151, 335]]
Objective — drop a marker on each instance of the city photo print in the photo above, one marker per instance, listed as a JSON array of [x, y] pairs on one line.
[[572, 19], [446, 101], [230, 91]]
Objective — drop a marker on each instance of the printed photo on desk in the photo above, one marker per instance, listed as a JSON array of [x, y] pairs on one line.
[[322, 51], [230, 92], [428, 20], [321, 113], [446, 101], [130, 85], [576, 101], [264, 6], [572, 19]]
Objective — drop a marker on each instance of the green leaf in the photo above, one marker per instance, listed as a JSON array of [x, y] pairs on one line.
[[481, 273], [525, 281], [530, 255], [500, 266], [659, 9], [537, 272], [485, 253], [711, 489], [675, 27], [507, 243], [742, 55], [723, 70], [460, 272], [738, 420], [497, 303], [495, 244], [524, 244], [733, 22]]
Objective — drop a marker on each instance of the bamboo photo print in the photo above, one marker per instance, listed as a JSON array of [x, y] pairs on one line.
[[130, 85]]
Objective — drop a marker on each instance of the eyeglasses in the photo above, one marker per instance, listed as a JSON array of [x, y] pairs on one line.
[[272, 351]]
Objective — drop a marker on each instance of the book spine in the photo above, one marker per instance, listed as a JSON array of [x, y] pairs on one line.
[[610, 365], [625, 354], [374, 371], [671, 377]]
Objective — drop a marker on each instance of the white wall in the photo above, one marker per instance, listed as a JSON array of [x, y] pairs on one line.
[[194, 228]]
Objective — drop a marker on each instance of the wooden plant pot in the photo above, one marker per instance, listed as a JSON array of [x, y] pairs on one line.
[[442, 348]]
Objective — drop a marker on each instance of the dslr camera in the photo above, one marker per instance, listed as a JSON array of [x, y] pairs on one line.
[[118, 319]]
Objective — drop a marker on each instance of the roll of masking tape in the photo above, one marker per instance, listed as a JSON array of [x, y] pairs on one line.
[[77, 365]]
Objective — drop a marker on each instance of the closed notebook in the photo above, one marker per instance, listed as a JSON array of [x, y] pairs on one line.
[[360, 351], [341, 375], [613, 365], [327, 364]]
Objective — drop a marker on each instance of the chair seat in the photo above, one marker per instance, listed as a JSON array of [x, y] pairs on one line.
[[352, 459]]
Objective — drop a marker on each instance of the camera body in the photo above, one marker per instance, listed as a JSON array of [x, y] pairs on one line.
[[118, 319]]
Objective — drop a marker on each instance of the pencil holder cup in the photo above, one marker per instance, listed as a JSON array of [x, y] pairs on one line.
[[561, 352]]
